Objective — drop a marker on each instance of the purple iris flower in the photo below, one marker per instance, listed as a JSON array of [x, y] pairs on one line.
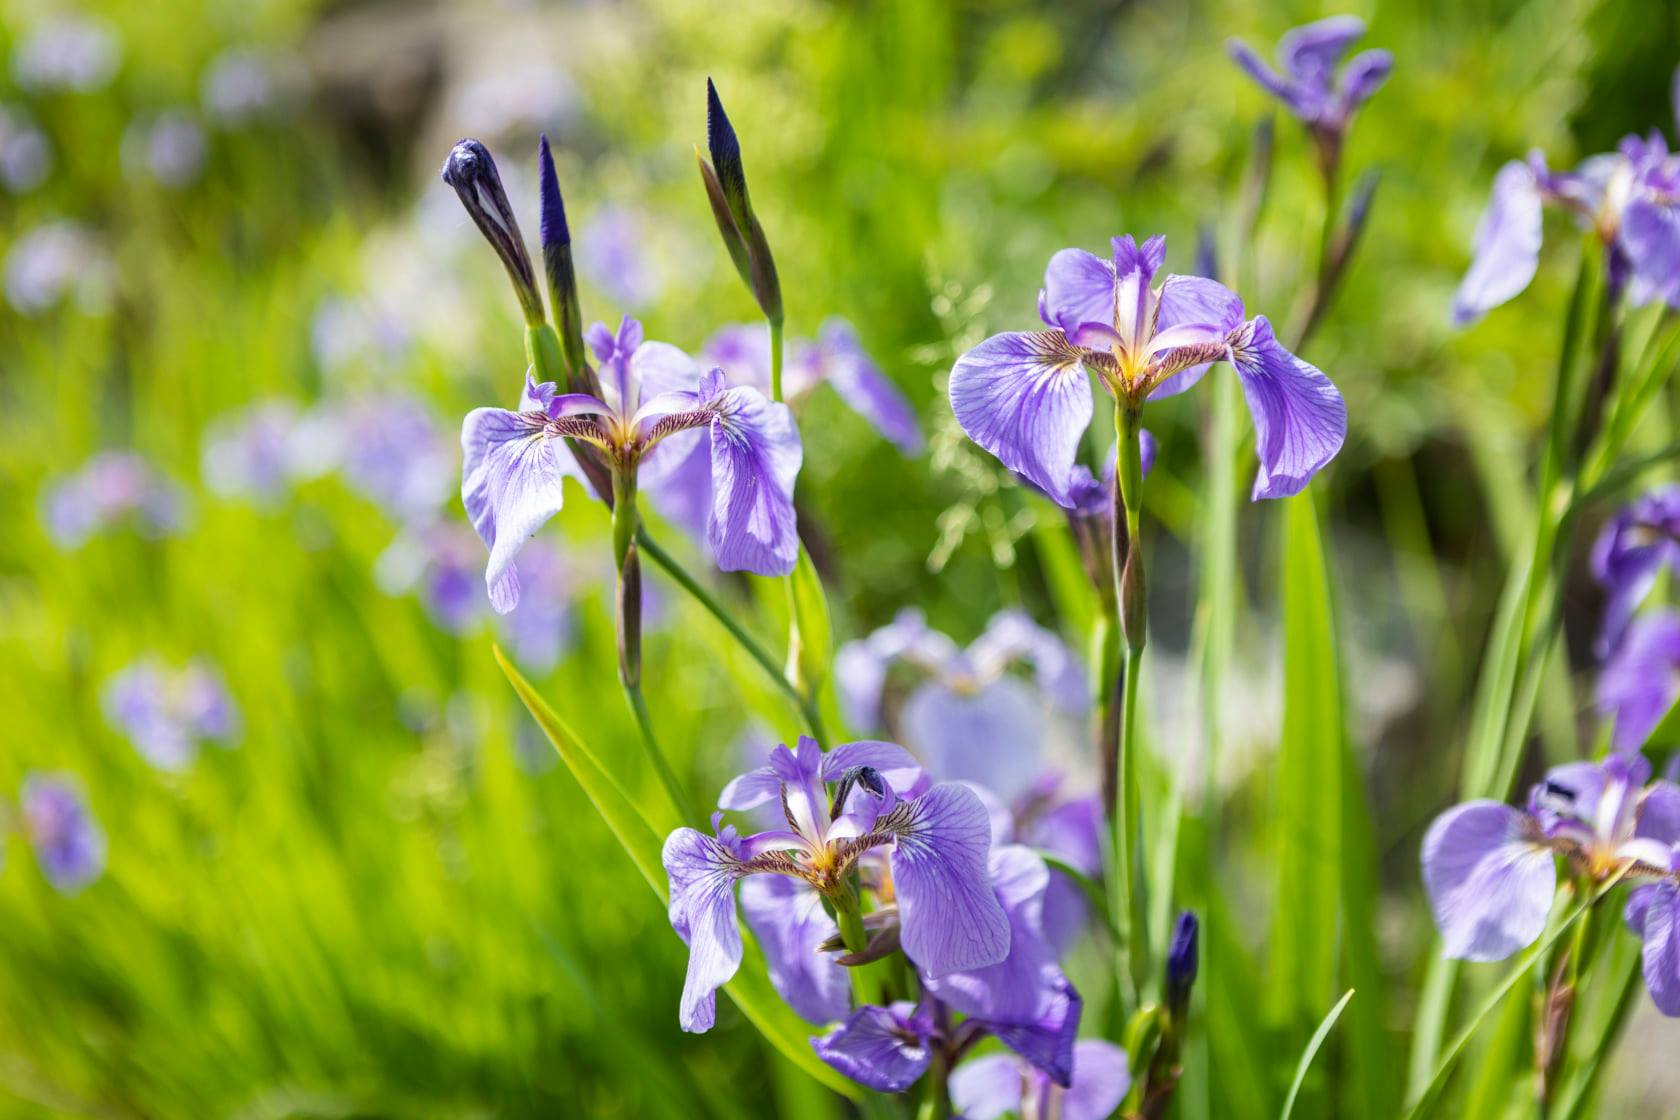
[[1491, 869], [68, 842], [1639, 542], [167, 713], [1641, 680], [1629, 198], [612, 251], [113, 487], [439, 560], [990, 1087], [1309, 84], [936, 839], [885, 1048], [654, 394], [1025, 397], [258, 453]]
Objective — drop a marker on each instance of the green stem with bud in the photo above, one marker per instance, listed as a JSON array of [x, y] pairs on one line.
[[627, 563]]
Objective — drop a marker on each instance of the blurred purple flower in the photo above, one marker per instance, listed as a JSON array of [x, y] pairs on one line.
[[1641, 680], [396, 454], [1309, 84], [936, 838], [1640, 541], [1491, 869], [169, 149], [243, 84], [971, 719], [259, 452], [347, 333], [990, 1087], [885, 1048], [26, 156], [68, 843], [71, 53], [1630, 199], [657, 408], [168, 713], [1026, 396], [55, 260], [112, 487], [439, 560], [612, 253]]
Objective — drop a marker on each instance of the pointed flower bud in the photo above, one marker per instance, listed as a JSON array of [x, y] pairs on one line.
[[556, 239], [726, 189], [1181, 962], [472, 172]]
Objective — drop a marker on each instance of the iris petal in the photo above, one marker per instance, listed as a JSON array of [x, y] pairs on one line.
[[1300, 420], [511, 475], [756, 455], [1490, 887], [702, 874], [949, 916], [1024, 398], [1507, 245]]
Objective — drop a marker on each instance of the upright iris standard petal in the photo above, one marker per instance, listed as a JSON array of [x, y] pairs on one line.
[[1641, 680], [1078, 288], [950, 919], [885, 1048], [1300, 420], [1363, 76], [1024, 999], [1507, 245], [1490, 885], [1025, 398], [788, 921], [756, 455], [511, 475], [702, 871]]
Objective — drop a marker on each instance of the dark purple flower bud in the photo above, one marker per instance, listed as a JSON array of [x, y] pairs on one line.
[[472, 172], [1207, 252], [556, 239], [726, 188], [1181, 962]]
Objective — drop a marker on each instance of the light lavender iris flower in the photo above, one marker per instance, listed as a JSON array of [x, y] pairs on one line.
[[1025, 395], [653, 394], [1491, 869], [68, 842], [1307, 80], [1630, 199], [936, 839], [167, 713], [1001, 1084]]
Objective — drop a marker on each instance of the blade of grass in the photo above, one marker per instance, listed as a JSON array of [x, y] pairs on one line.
[[1311, 1052]]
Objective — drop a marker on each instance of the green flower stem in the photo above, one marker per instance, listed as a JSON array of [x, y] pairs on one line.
[[628, 617], [1130, 904], [776, 360], [698, 591], [848, 915], [936, 1103]]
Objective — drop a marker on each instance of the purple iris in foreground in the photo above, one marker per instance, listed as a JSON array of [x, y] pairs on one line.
[[652, 393], [936, 839], [1025, 395], [1641, 680], [1023, 1000], [168, 713], [998, 1084], [68, 843], [111, 488], [1491, 870], [1630, 199], [1634, 546], [1307, 81]]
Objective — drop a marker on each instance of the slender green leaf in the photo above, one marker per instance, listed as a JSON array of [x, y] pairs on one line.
[[1302, 973], [751, 988], [1311, 1052]]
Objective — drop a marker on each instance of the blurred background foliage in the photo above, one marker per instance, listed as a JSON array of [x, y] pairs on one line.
[[387, 900]]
